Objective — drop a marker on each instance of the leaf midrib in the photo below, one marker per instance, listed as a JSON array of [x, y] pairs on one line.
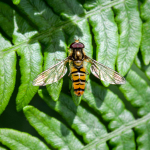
[[47, 125], [1, 100], [16, 140], [29, 80], [61, 25], [129, 34]]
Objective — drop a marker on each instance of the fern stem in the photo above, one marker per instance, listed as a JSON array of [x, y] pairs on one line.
[[62, 25], [118, 131]]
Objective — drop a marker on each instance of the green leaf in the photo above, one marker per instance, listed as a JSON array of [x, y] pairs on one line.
[[39, 13], [140, 64], [53, 45], [105, 35], [147, 71], [78, 118], [53, 131], [54, 52], [112, 110], [76, 99], [47, 27], [16, 140], [1, 148], [145, 45], [143, 135], [7, 74], [120, 131], [137, 91], [68, 9], [6, 19], [30, 62], [129, 26], [16, 2]]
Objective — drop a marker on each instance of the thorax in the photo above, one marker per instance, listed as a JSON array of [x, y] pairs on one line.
[[77, 57]]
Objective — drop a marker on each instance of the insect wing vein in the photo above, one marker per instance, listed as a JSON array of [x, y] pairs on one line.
[[105, 73], [52, 74]]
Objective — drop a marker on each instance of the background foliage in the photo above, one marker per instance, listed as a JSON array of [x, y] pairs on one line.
[[34, 35]]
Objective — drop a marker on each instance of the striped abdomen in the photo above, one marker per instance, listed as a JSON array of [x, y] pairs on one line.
[[78, 76]]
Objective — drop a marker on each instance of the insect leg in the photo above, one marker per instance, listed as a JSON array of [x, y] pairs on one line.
[[58, 60], [87, 72], [69, 76], [86, 58], [70, 58]]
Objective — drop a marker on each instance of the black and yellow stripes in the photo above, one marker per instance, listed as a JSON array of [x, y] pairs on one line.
[[78, 77]]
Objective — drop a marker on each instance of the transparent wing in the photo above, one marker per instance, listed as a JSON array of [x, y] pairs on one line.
[[52, 74], [105, 73]]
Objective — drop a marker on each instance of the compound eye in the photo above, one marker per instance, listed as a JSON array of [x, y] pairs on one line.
[[77, 45]]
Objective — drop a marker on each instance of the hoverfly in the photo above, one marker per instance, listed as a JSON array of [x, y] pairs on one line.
[[78, 72]]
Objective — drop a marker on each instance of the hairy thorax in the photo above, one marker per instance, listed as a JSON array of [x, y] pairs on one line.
[[78, 57]]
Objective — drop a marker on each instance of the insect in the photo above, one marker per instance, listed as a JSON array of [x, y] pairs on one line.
[[78, 72]]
